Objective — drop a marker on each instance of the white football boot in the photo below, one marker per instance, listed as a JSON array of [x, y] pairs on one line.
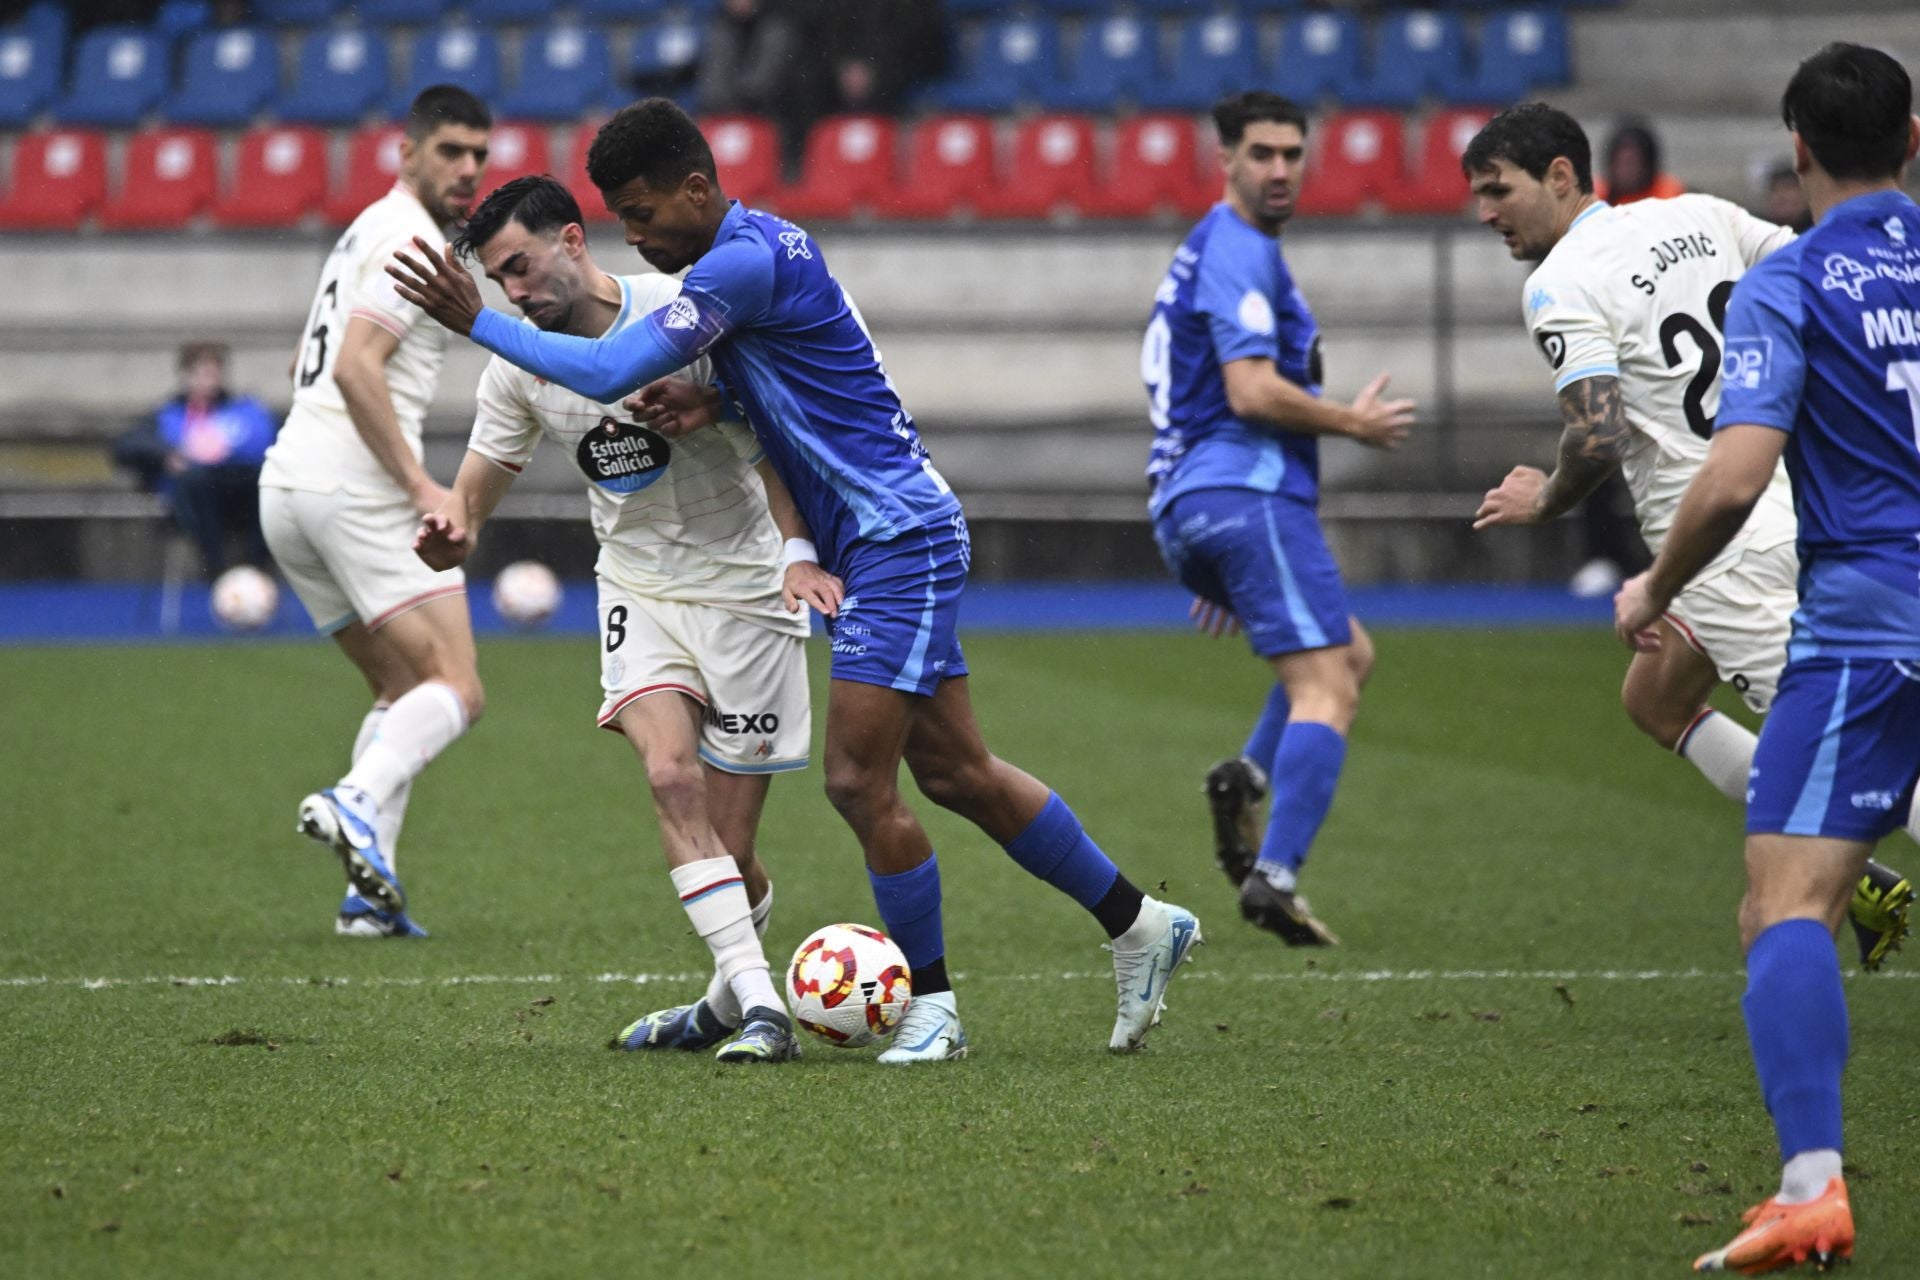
[[929, 1032], [1141, 973]]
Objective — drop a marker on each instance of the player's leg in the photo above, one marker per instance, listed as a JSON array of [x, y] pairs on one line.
[[388, 678], [734, 804], [954, 768]]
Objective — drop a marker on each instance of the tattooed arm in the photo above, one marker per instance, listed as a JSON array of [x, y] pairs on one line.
[[1591, 447]]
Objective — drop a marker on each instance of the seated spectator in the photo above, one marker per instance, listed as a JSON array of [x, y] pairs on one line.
[[202, 451], [1632, 168], [876, 53], [1783, 201], [749, 67]]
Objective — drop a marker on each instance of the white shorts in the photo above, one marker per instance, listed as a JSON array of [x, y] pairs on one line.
[[751, 679], [1740, 621], [349, 556]]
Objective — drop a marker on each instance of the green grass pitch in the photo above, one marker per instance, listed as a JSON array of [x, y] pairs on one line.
[[1527, 1059]]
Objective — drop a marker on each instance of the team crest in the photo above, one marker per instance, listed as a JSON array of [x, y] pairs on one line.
[[684, 313], [796, 243], [1896, 230], [1846, 275]]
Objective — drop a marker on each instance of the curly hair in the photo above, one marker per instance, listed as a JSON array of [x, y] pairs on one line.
[[653, 140]]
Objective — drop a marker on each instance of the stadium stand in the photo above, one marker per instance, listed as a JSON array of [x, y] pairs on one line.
[[1114, 61], [373, 163], [400, 12], [168, 178], [848, 167], [1356, 157], [591, 205], [565, 71], [280, 177], [30, 62], [1156, 169], [506, 10], [119, 75], [459, 55], [1417, 55], [746, 152], [664, 56], [1052, 171], [621, 10], [1319, 57], [57, 178], [950, 163], [341, 76], [296, 13], [1013, 61], [514, 151], [1432, 185], [1218, 54], [227, 78], [1521, 50]]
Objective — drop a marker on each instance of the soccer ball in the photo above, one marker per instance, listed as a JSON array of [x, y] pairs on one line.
[[849, 985], [244, 599], [526, 593]]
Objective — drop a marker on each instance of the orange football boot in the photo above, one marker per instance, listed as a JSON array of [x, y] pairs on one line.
[[1779, 1236]]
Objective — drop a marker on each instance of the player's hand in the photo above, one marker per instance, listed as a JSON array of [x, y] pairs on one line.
[[674, 406], [1516, 501], [1212, 619], [1377, 423], [1635, 610], [426, 494], [440, 542], [808, 583], [438, 287]]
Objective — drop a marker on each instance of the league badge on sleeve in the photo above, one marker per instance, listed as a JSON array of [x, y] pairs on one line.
[[1747, 363], [1553, 346], [624, 457]]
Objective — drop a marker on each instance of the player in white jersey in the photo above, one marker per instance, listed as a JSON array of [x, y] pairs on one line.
[[703, 658], [342, 490], [1627, 306]]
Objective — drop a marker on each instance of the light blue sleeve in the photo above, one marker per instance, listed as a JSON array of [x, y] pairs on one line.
[[727, 289], [1235, 289], [1764, 369]]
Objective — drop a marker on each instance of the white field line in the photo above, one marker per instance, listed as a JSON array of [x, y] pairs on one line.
[[1309, 977]]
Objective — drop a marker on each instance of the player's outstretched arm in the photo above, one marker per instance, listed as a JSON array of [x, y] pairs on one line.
[[804, 582], [1256, 389], [1592, 443], [360, 371], [674, 406], [1739, 466], [449, 533]]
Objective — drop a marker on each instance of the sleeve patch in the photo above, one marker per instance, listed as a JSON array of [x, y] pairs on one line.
[[1256, 313], [1553, 346], [1748, 363]]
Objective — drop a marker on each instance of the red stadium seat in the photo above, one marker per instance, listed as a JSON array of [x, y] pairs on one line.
[[1357, 156], [58, 178], [591, 205], [280, 178], [168, 179], [1053, 169], [1156, 166], [1435, 183], [373, 166], [514, 151], [848, 166], [950, 164], [746, 151]]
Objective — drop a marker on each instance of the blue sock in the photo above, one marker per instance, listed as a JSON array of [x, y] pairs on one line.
[[1797, 1022], [910, 909], [1058, 849], [1264, 742], [1306, 769]]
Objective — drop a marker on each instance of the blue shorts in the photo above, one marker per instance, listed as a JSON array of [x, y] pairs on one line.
[[1262, 556], [899, 626], [1839, 752]]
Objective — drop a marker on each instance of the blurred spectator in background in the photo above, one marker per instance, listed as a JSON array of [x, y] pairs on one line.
[[1632, 169], [1782, 200], [875, 53], [750, 65], [201, 450]]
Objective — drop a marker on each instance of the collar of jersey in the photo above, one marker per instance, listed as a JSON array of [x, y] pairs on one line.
[[1588, 212], [626, 304], [1870, 199]]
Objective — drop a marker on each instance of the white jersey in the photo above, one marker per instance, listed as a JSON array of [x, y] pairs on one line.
[[319, 449], [682, 520], [1639, 292]]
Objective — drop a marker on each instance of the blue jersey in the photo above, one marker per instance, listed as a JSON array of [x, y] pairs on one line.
[[1228, 296], [793, 352], [1823, 342]]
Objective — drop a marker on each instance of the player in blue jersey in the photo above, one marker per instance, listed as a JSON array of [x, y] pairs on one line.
[[1232, 366], [1822, 363], [792, 353]]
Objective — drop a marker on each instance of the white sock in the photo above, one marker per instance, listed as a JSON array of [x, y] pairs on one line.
[[1805, 1176], [1721, 748], [720, 997], [418, 727], [1913, 819], [1146, 927], [715, 899]]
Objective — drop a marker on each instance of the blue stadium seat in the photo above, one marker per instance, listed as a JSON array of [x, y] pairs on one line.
[[1219, 54], [29, 73], [342, 76], [295, 13], [1521, 50], [47, 18], [506, 10], [618, 10], [1418, 54], [119, 75], [400, 12], [564, 73], [663, 61], [1319, 56], [464, 56], [176, 18], [228, 77], [1017, 60], [1115, 63]]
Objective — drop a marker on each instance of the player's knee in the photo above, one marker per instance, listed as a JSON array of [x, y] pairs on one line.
[[677, 783], [951, 784], [854, 791], [1665, 724]]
